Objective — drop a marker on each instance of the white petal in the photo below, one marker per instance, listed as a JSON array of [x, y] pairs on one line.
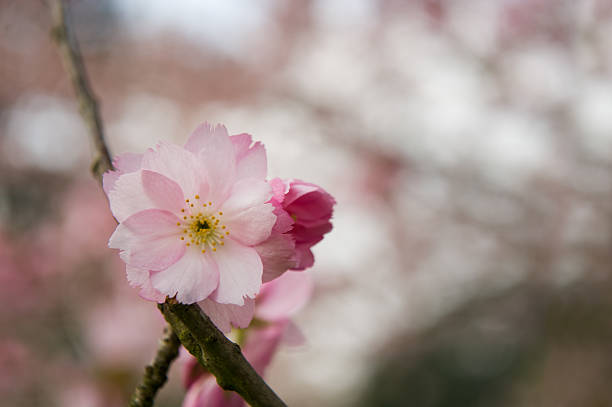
[[240, 271], [176, 163], [193, 278], [128, 197]]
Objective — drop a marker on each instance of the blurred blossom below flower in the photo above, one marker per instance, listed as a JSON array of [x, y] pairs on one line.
[[276, 303]]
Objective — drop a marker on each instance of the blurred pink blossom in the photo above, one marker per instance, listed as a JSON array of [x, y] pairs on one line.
[[84, 209], [276, 303], [15, 364], [20, 278], [113, 337]]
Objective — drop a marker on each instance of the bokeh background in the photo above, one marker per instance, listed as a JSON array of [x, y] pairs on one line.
[[468, 144]]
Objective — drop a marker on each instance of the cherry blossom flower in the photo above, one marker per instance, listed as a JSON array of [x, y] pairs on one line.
[[190, 217], [276, 303], [311, 208], [288, 247]]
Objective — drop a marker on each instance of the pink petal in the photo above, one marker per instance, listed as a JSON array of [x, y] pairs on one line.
[[128, 196], [149, 240], [128, 162], [142, 278], [207, 393], [303, 256], [242, 142], [108, 180], [217, 157], [253, 225], [284, 221], [277, 255], [245, 194], [124, 163], [298, 189], [279, 189], [136, 277], [226, 315], [293, 335], [176, 163], [191, 369], [283, 297], [248, 217], [194, 277], [314, 205], [310, 234], [262, 344], [163, 192], [240, 271], [253, 164], [199, 137]]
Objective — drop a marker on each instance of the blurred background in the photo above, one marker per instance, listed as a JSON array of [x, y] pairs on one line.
[[468, 144]]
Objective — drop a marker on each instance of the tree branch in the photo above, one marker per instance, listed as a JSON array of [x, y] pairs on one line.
[[194, 329], [73, 63], [217, 354], [156, 373]]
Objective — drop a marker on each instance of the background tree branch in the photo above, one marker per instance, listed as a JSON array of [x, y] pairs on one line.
[[156, 374], [195, 330], [73, 63]]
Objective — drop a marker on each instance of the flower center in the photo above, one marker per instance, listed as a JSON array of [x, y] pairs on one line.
[[201, 227]]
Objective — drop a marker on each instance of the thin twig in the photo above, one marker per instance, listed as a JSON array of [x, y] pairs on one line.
[[73, 63], [194, 329], [156, 373]]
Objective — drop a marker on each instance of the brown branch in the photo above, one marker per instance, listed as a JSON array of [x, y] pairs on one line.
[[194, 329], [73, 63], [156, 374], [218, 355]]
